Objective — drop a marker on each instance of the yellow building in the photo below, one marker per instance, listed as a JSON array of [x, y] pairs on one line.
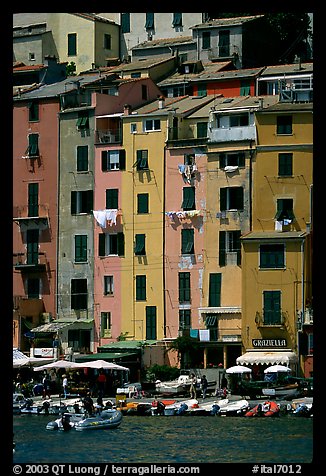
[[276, 254]]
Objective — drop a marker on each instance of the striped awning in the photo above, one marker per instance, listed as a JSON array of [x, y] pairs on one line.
[[268, 357]]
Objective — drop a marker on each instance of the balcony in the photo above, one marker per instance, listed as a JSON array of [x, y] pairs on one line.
[[108, 136], [226, 134], [29, 262], [29, 219], [261, 320]]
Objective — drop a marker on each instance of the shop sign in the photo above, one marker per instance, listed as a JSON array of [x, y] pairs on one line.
[[261, 343]]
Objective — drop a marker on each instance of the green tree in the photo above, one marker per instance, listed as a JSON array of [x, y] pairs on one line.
[[187, 349]]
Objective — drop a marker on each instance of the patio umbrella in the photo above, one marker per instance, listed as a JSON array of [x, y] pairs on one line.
[[21, 360], [238, 369], [277, 368], [101, 364], [59, 364]]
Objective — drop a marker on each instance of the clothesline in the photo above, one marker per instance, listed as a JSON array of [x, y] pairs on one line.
[[184, 214], [107, 216]]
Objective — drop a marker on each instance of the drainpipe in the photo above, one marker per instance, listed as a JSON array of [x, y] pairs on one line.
[[58, 215], [302, 299], [163, 237]]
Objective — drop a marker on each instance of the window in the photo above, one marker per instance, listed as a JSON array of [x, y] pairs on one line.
[[113, 160], [214, 293], [206, 40], [189, 159], [33, 199], [188, 202], [33, 111], [107, 41], [244, 87], [33, 288], [33, 150], [184, 287], [81, 202], [284, 125], [79, 294], [239, 120], [136, 74], [142, 203], [231, 198], [106, 324], [285, 165], [184, 319], [187, 241], [201, 129], [177, 20], [83, 120], [272, 307], [32, 243], [151, 323], [80, 248], [112, 198], [142, 160], [284, 209], [125, 22], [31, 56], [149, 25], [111, 244], [236, 159], [108, 286], [140, 245], [72, 44], [202, 90], [229, 247], [133, 128], [271, 256], [224, 43], [82, 158], [152, 125], [141, 288]]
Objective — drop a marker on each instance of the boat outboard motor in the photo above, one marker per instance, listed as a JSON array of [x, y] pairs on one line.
[[44, 407], [65, 420], [216, 409], [160, 408], [182, 409], [76, 408]]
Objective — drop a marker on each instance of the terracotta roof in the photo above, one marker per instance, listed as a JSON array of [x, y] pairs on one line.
[[294, 68], [227, 21], [164, 42]]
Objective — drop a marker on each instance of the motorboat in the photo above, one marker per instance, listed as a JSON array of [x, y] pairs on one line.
[[66, 422], [110, 418], [285, 391], [264, 409], [235, 408], [301, 407], [158, 406], [179, 408], [18, 402]]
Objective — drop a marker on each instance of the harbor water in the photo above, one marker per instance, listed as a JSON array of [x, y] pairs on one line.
[[164, 439]]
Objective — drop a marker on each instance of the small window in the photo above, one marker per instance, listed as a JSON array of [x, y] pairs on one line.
[[140, 245], [80, 248], [33, 288], [202, 90], [188, 202], [224, 43], [214, 293], [284, 210], [31, 56], [33, 199], [82, 158], [33, 111], [201, 130], [79, 294], [111, 244], [244, 87], [189, 159], [72, 44], [239, 120], [113, 160], [125, 22], [236, 159], [135, 74], [285, 165], [271, 256], [231, 198], [81, 202], [177, 20], [187, 241], [142, 203], [112, 198], [184, 287], [206, 40], [142, 160], [107, 41], [184, 319], [151, 324], [133, 128], [229, 248], [106, 324], [149, 25], [272, 307], [108, 286], [33, 150], [141, 288], [152, 125], [144, 92], [83, 120], [284, 125]]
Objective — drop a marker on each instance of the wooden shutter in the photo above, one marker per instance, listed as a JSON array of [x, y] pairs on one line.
[[122, 159], [222, 248], [89, 201], [214, 290], [112, 198], [73, 203], [223, 192], [121, 244], [150, 322], [101, 244]]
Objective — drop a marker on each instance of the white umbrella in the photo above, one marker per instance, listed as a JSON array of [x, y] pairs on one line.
[[277, 368], [101, 364], [238, 369], [59, 364], [21, 360]]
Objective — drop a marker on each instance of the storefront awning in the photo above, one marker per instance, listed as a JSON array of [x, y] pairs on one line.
[[104, 356], [57, 326], [267, 357]]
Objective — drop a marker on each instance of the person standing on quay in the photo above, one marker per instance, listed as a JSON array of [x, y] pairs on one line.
[[65, 386], [193, 382], [204, 385]]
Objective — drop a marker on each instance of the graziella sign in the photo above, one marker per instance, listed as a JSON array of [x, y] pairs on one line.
[[269, 343]]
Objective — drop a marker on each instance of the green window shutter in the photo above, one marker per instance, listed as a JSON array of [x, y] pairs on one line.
[[112, 198], [187, 241], [89, 201], [101, 244], [272, 307], [214, 298], [239, 198], [121, 244], [32, 241], [33, 200], [285, 164], [140, 288], [244, 87], [202, 90], [284, 209], [223, 194], [222, 248], [80, 248], [83, 120], [177, 19], [206, 40], [149, 25], [125, 22], [142, 203], [33, 145], [184, 287], [122, 159], [33, 110], [151, 322], [140, 245], [188, 202], [72, 44], [201, 130], [241, 159], [222, 158], [105, 161], [82, 158], [73, 203], [142, 159], [237, 241], [224, 43]]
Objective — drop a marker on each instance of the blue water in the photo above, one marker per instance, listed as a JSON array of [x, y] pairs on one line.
[[155, 439]]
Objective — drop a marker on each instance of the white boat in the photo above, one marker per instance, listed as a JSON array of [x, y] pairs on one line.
[[289, 390], [18, 402], [235, 408], [110, 418], [180, 407], [66, 422]]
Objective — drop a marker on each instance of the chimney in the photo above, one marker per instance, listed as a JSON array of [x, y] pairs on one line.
[[161, 102], [261, 103], [126, 110]]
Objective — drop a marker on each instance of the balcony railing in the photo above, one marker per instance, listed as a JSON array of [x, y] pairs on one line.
[[29, 262], [25, 215], [263, 320], [108, 136], [226, 134]]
